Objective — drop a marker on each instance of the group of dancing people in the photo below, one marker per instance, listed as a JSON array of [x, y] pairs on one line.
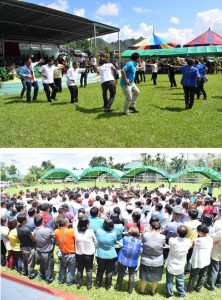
[[127, 231]]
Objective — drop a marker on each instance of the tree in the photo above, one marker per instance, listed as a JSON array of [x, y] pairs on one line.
[[3, 172], [119, 166], [47, 165], [36, 171], [147, 159], [110, 162], [98, 161], [160, 161], [177, 164], [12, 171]]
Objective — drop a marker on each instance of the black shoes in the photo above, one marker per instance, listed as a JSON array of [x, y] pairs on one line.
[[133, 109]]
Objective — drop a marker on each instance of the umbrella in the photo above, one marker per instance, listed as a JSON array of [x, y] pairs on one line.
[[152, 42], [208, 38]]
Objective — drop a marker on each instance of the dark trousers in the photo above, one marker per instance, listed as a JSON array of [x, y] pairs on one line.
[[136, 80], [199, 275], [188, 265], [83, 79], [3, 254], [18, 260], [23, 87], [213, 272], [189, 92], [142, 76], [105, 265], [74, 93], [154, 78], [58, 83], [47, 91], [46, 260], [10, 260], [29, 88], [172, 80], [84, 262], [29, 262], [111, 87], [121, 273], [200, 88]]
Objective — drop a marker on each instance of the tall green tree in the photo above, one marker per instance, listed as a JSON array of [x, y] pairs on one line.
[[177, 164], [110, 162], [3, 172], [12, 171], [47, 165], [98, 161], [36, 171], [147, 159]]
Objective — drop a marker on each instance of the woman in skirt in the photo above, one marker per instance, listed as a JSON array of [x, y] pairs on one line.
[[152, 261]]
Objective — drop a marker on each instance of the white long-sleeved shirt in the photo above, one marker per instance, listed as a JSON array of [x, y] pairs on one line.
[[72, 75], [202, 252], [85, 242]]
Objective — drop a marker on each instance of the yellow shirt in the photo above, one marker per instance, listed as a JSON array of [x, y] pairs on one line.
[[14, 240], [58, 72]]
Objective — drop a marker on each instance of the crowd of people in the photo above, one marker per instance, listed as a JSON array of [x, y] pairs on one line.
[[126, 230], [132, 73]]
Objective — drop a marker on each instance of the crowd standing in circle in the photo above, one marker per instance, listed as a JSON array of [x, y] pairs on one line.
[[132, 73], [124, 230]]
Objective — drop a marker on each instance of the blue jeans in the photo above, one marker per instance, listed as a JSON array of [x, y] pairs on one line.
[[179, 284], [67, 268], [29, 88], [18, 261]]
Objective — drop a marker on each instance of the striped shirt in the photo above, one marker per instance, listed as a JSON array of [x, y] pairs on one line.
[[129, 253]]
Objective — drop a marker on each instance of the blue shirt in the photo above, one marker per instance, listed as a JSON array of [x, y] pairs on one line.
[[129, 253], [106, 244], [130, 69], [118, 228], [159, 215], [171, 229], [189, 77], [201, 68], [95, 223]]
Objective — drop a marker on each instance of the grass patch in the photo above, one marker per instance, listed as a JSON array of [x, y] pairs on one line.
[[161, 123], [95, 294]]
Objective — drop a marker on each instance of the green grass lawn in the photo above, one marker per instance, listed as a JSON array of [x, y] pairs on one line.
[[161, 123], [95, 294], [87, 184]]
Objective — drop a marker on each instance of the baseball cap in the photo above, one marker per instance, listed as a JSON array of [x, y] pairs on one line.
[[178, 210]]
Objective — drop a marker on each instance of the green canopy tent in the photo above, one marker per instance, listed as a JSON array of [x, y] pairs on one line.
[[130, 174], [207, 172], [181, 52], [95, 172], [59, 174]]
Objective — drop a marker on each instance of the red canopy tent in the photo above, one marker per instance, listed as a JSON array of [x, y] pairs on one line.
[[208, 38]]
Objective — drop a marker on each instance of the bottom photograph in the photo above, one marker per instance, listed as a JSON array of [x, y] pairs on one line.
[[110, 223]]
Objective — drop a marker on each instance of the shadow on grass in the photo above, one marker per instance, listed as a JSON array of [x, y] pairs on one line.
[[171, 109], [61, 103], [178, 94], [111, 114], [89, 110], [216, 97], [219, 110]]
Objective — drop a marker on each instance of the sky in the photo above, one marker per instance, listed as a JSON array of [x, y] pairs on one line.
[[23, 159], [177, 21]]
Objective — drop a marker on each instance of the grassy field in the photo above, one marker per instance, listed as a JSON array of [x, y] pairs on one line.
[[49, 187], [161, 123], [95, 294]]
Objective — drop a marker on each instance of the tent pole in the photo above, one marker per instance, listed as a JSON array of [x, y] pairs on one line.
[[41, 48], [94, 36]]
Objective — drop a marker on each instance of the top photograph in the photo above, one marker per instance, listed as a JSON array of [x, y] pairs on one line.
[[110, 74]]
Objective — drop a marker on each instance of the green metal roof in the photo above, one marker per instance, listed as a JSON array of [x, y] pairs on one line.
[[207, 172], [95, 172], [138, 170], [182, 52], [58, 173]]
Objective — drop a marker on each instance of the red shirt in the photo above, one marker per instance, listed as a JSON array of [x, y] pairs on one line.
[[128, 226]]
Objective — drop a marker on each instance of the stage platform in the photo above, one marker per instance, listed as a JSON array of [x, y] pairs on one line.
[[14, 87]]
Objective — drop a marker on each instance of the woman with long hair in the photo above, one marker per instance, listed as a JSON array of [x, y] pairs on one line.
[[85, 249]]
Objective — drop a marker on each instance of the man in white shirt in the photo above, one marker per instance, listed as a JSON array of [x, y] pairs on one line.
[[71, 75], [47, 72], [154, 70], [142, 70], [179, 247], [200, 259], [108, 79]]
